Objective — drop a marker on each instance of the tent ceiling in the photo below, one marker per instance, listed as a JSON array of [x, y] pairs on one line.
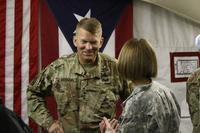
[[187, 8]]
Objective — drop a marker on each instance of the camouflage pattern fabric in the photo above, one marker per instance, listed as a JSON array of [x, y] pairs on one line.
[[150, 108], [192, 98], [82, 98]]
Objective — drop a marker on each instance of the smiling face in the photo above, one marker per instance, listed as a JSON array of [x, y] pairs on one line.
[[88, 45]]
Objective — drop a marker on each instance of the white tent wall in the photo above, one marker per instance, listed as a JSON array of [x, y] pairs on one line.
[[167, 32], [186, 8]]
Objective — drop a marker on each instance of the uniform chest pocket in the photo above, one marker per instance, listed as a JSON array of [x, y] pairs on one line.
[[65, 94], [97, 101], [108, 104]]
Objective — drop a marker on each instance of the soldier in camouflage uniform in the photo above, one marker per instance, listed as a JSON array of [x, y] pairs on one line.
[[85, 85], [151, 107], [192, 98]]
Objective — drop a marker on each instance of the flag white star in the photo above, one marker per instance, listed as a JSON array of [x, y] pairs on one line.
[[87, 15], [78, 17]]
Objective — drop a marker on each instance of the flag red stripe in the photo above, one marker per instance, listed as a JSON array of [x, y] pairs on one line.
[[33, 48], [123, 32], [49, 39], [2, 48], [17, 56], [124, 29], [50, 46]]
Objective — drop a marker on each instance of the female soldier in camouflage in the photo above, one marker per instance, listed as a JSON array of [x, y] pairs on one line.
[[151, 108]]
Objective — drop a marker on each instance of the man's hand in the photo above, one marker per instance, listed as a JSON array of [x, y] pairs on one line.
[[56, 127]]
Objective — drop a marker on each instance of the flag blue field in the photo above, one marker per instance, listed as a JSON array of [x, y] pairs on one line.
[[69, 12]]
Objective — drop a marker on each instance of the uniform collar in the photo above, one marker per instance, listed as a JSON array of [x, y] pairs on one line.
[[137, 89], [81, 71]]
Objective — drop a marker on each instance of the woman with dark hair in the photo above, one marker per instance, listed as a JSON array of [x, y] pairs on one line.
[[151, 107]]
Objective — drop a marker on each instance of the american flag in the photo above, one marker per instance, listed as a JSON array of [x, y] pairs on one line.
[[18, 52], [24, 24]]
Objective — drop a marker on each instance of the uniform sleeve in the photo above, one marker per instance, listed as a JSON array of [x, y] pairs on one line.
[[37, 90], [192, 98], [139, 118], [138, 126], [176, 103], [167, 111]]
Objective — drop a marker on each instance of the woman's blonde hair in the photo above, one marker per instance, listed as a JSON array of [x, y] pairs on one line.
[[137, 60]]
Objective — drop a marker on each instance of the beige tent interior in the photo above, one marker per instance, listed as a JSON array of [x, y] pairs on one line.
[[186, 8]]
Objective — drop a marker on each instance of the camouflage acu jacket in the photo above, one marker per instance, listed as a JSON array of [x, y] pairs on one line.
[[82, 98], [150, 108], [193, 99]]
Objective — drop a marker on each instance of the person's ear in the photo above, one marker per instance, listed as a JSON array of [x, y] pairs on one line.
[[101, 42], [75, 40]]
